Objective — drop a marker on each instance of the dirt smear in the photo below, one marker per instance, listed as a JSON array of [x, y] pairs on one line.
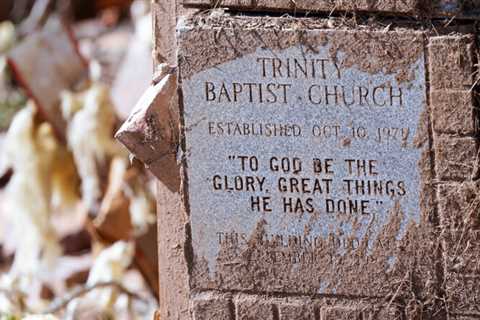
[[208, 41]]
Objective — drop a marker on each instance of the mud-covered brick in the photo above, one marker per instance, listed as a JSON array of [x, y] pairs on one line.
[[455, 158], [453, 112], [433, 8], [301, 310], [462, 317], [341, 313], [386, 312], [452, 62], [212, 307], [462, 250], [400, 6], [458, 205], [463, 294], [390, 6], [256, 308]]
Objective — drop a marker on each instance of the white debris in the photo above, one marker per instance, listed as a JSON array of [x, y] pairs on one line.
[[109, 267], [31, 150], [89, 135], [142, 212], [40, 317], [7, 36]]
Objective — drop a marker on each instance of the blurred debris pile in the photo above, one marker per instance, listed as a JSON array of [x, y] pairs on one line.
[[12, 98], [77, 218]]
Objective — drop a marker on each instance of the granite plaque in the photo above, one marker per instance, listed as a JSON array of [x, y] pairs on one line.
[[301, 156]]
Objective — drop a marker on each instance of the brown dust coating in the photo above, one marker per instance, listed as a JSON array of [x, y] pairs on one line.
[[386, 6], [456, 158], [355, 274], [454, 112], [453, 57], [206, 42], [248, 306], [208, 306], [253, 308], [459, 205]]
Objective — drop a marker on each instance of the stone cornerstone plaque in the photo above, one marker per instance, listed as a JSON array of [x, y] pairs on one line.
[[304, 156]]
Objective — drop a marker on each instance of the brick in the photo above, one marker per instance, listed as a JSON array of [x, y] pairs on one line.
[[458, 206], [340, 313], [451, 62], [455, 158], [453, 112], [457, 202], [462, 270], [462, 249], [463, 293], [297, 311], [254, 309], [212, 307], [381, 313]]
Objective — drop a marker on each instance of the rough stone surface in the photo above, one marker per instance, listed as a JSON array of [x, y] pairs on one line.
[[410, 7], [456, 166], [254, 308], [384, 312], [456, 158], [452, 62], [172, 215], [297, 311], [165, 15], [459, 204], [463, 293], [151, 133], [209, 307], [454, 112], [464, 9], [340, 313]]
